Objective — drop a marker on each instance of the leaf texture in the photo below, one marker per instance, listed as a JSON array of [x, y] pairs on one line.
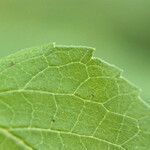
[[62, 98]]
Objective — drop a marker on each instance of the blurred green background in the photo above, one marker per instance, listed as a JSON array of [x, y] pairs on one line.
[[118, 29]]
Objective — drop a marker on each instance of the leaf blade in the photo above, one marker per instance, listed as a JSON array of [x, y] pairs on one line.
[[56, 97]]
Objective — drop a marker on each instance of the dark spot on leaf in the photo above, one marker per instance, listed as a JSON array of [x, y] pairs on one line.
[[11, 64], [92, 96], [53, 120]]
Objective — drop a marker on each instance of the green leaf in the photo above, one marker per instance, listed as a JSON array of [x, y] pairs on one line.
[[62, 98]]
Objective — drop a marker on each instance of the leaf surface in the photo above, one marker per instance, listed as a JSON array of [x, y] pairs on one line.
[[62, 98]]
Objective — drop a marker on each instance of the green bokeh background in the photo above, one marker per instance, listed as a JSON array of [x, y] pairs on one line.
[[118, 29]]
